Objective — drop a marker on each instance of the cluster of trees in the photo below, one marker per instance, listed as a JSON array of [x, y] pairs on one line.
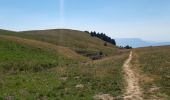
[[126, 47], [107, 39], [102, 36]]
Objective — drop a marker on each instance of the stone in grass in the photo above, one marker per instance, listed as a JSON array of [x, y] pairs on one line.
[[79, 86], [64, 78], [168, 76], [103, 97], [77, 77]]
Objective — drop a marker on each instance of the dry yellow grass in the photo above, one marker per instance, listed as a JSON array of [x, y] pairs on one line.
[[153, 65], [73, 39]]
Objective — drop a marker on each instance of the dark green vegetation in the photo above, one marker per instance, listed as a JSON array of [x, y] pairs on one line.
[[154, 63], [56, 64], [126, 47], [102, 36]]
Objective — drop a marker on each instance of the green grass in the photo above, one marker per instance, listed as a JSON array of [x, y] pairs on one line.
[[97, 77], [103, 76], [37, 65], [28, 86], [15, 57], [155, 64]]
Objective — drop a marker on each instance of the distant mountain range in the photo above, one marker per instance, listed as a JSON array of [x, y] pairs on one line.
[[137, 42]]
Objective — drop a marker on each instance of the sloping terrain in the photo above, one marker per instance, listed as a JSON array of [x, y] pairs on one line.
[[58, 64], [78, 41], [73, 39], [18, 54], [66, 52], [153, 64], [53, 64]]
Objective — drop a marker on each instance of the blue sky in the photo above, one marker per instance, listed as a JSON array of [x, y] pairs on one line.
[[146, 19]]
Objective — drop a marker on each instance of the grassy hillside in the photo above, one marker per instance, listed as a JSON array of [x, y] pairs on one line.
[[77, 41], [73, 39], [21, 57], [66, 52], [154, 63], [49, 65]]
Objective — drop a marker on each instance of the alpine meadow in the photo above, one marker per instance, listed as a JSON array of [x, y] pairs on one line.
[[85, 50]]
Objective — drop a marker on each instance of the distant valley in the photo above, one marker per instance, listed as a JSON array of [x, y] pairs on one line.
[[137, 42]]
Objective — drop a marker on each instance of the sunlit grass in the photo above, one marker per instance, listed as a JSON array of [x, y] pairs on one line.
[[60, 82], [41, 67], [155, 63], [18, 57]]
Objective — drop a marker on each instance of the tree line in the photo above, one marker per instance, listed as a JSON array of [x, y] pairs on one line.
[[125, 47], [102, 36], [106, 38]]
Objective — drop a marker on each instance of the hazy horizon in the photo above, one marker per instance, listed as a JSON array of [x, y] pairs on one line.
[[145, 19]]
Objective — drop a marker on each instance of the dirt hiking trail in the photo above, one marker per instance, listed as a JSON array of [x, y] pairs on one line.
[[132, 91]]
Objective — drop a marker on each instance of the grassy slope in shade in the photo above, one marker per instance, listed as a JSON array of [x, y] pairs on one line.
[[155, 65]]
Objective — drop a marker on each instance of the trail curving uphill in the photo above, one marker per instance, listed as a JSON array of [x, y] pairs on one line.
[[132, 91]]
